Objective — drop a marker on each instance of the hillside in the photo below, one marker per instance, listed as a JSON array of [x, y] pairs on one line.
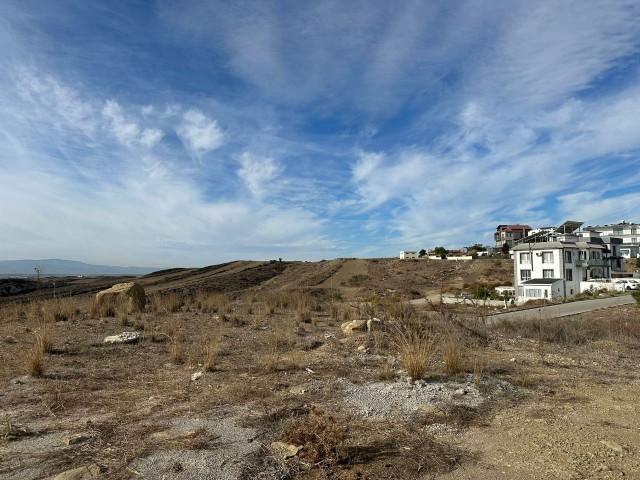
[[267, 370]]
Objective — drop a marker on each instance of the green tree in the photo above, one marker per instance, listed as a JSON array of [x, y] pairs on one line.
[[422, 253], [505, 248], [440, 252]]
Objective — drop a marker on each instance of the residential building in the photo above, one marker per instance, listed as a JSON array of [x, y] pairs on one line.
[[408, 255], [629, 232], [552, 264], [509, 234]]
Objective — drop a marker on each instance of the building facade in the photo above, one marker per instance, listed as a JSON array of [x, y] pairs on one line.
[[408, 255], [552, 264], [629, 232], [510, 234]]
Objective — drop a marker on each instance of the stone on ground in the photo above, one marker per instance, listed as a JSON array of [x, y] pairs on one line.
[[131, 292]]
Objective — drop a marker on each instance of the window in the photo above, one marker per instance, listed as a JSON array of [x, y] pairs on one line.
[[525, 258], [634, 239], [547, 273], [533, 292], [525, 275], [618, 231], [634, 231], [547, 257], [568, 275], [583, 255], [595, 255], [567, 256]]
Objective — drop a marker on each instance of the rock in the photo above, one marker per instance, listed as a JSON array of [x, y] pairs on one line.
[[285, 450], [461, 391], [363, 349], [74, 439], [10, 339], [132, 292], [298, 390], [196, 376], [354, 325], [80, 473], [124, 337], [373, 324]]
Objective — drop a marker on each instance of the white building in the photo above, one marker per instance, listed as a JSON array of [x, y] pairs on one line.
[[552, 265], [408, 255], [627, 231]]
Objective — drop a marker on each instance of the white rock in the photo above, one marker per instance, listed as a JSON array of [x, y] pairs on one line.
[[196, 376], [124, 337]]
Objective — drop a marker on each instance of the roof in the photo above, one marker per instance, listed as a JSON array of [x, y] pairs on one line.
[[541, 281], [513, 228], [525, 247]]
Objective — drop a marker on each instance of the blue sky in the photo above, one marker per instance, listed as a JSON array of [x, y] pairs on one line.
[[189, 133]]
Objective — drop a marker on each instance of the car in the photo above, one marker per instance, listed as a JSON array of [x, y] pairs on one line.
[[627, 284]]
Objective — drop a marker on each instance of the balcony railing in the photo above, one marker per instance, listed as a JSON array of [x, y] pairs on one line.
[[594, 262]]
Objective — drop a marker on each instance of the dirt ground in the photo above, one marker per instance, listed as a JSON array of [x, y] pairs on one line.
[[243, 371]]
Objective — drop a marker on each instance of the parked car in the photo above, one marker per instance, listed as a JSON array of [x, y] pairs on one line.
[[627, 284]]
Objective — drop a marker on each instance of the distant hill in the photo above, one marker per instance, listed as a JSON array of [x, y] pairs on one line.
[[65, 267]]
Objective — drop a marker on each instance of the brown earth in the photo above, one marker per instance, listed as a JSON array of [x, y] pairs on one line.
[[534, 400]]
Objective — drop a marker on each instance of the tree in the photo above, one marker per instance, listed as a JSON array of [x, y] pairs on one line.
[[505, 248], [422, 253], [440, 252]]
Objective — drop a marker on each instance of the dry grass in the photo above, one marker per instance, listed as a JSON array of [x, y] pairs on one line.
[[271, 360], [176, 349], [321, 435], [106, 307], [452, 352], [416, 347], [167, 302], [211, 350], [34, 359]]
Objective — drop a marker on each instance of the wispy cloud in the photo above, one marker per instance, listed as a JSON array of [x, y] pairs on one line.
[[200, 134], [310, 131]]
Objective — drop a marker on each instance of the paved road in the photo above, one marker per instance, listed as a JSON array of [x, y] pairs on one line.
[[563, 309]]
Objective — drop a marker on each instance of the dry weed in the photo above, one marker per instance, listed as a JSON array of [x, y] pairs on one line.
[[452, 351], [416, 346], [210, 353], [34, 359], [271, 362], [321, 435]]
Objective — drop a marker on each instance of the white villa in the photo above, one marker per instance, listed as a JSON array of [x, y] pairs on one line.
[[408, 255], [552, 264], [627, 231]]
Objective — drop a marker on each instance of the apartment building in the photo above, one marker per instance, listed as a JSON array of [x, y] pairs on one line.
[[552, 264], [627, 231]]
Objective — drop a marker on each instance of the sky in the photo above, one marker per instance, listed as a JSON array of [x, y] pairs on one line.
[[191, 133]]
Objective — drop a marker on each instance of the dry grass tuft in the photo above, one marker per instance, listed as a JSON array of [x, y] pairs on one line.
[[34, 358], [452, 351], [176, 349], [416, 346], [210, 353]]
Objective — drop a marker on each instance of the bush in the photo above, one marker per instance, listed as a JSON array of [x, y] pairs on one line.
[[321, 435]]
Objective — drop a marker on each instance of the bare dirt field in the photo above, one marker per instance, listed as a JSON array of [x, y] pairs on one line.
[[242, 371]]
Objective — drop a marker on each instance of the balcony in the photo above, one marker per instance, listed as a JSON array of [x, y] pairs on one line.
[[596, 262]]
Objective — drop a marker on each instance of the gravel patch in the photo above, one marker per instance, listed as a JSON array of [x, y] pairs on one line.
[[224, 462], [403, 400]]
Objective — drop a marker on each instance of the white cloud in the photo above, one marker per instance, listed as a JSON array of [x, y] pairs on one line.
[[258, 173], [199, 134]]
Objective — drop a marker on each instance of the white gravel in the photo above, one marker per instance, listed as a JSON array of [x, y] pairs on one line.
[[384, 400]]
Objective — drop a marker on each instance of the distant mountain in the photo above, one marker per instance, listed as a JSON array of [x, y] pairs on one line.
[[65, 267]]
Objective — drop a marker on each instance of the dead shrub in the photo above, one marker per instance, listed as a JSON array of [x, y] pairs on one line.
[[321, 435], [106, 307]]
